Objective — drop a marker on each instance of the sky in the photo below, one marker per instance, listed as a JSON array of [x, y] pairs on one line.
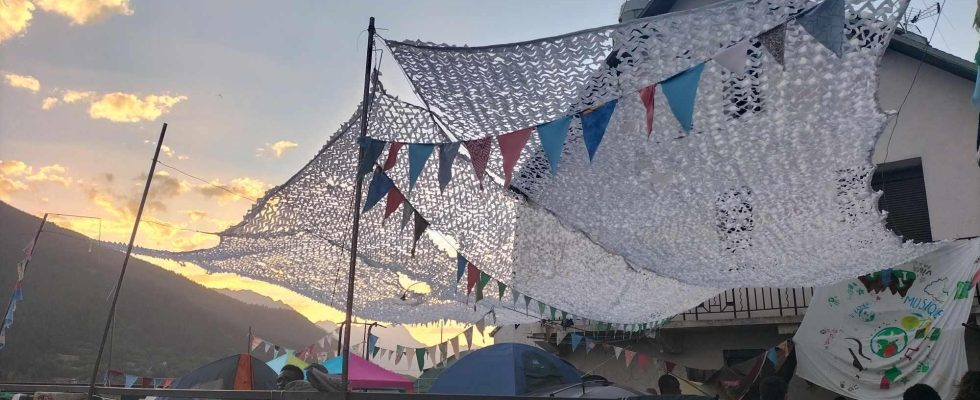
[[250, 90]]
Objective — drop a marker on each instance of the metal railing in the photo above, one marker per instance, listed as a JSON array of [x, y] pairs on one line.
[[751, 303]]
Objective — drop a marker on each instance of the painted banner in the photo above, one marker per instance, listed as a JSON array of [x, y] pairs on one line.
[[874, 336]]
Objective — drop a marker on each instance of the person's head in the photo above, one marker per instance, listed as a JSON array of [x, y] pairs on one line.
[[669, 385], [920, 391], [318, 367], [773, 388], [969, 387], [287, 374]]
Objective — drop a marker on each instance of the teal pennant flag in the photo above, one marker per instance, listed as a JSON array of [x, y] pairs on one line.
[[681, 90]]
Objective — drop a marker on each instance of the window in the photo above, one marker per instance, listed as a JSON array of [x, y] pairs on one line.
[[904, 198]]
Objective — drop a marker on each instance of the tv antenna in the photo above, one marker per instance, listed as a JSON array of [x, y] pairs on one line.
[[914, 15]]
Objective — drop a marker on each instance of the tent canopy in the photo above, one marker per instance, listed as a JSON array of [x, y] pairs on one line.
[[505, 369], [367, 375], [237, 372], [277, 363]]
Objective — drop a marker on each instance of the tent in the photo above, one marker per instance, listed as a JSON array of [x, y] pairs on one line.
[[277, 363], [237, 372], [365, 375], [505, 369]]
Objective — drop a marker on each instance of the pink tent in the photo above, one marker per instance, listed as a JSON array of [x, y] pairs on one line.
[[365, 375]]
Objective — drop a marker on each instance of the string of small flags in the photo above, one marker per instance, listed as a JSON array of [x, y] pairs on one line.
[[18, 293], [824, 22], [138, 381], [438, 353], [382, 185], [309, 353]]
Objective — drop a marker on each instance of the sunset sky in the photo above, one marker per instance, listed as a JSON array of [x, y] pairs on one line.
[[250, 89]]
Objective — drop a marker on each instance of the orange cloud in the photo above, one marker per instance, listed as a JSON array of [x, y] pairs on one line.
[[83, 11], [71, 96], [49, 103], [23, 82], [276, 149], [15, 16], [250, 189], [125, 107], [17, 176]]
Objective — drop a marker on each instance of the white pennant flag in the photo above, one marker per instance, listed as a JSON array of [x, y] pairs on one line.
[[455, 343], [322, 342], [734, 57], [515, 295], [560, 336], [468, 334], [431, 352], [442, 351], [618, 351]]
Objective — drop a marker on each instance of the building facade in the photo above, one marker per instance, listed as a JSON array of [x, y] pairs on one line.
[[928, 171]]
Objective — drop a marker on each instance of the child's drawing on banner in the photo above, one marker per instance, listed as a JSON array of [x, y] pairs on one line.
[[874, 336]]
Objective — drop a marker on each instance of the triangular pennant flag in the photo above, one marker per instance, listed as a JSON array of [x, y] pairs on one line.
[[734, 57], [255, 343], [392, 155], [479, 150], [131, 380], [380, 186], [773, 356], [372, 150], [395, 199], [481, 325], [501, 288], [552, 136], [647, 95], [322, 342], [775, 43], [374, 353], [29, 250], [399, 351], [418, 154], [267, 346], [484, 280], [552, 308], [433, 353], [21, 269], [472, 275], [541, 307], [669, 367], [560, 336], [629, 357], [515, 295], [642, 361], [460, 266], [447, 154], [511, 145], [594, 125], [420, 226], [826, 24], [618, 350], [589, 345], [420, 357], [443, 349], [468, 334], [681, 90], [390, 354], [407, 213], [576, 339], [455, 343], [372, 344], [527, 303]]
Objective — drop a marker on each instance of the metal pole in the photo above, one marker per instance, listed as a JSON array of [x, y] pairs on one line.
[[248, 346], [122, 272], [37, 234], [358, 184]]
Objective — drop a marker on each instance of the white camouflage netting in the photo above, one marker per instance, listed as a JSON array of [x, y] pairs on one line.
[[771, 188]]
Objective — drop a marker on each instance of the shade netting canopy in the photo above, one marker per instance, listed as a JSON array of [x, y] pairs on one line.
[[505, 369], [733, 150], [365, 375]]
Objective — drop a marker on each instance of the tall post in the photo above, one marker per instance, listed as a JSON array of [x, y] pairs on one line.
[[29, 255], [358, 185], [122, 272], [248, 347]]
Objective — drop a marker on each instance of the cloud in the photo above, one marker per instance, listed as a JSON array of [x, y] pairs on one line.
[[83, 11], [15, 16], [276, 149], [125, 107], [71, 96], [167, 150], [18, 176], [49, 103], [249, 188], [23, 81], [195, 215]]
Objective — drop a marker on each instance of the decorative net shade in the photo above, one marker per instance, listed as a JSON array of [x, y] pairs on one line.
[[770, 188]]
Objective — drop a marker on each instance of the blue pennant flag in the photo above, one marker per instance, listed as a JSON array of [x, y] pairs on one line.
[[372, 150], [826, 24], [975, 99], [131, 380], [460, 266], [447, 154], [380, 185], [418, 154], [594, 126], [18, 294], [773, 356], [576, 339], [886, 277], [552, 135], [372, 343], [681, 90]]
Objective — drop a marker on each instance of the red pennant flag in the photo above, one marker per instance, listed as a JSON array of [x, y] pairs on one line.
[[642, 360], [511, 145], [479, 150], [392, 155], [472, 275], [395, 199], [669, 367], [646, 94]]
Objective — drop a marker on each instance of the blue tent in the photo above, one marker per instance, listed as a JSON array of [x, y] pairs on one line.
[[505, 369]]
